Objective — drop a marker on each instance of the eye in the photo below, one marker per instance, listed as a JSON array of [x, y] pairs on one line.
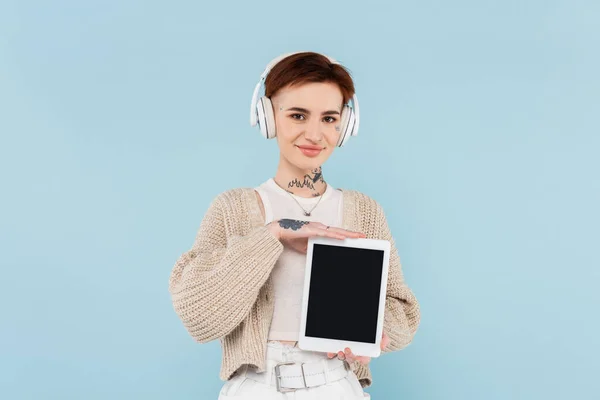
[[294, 116], [332, 119]]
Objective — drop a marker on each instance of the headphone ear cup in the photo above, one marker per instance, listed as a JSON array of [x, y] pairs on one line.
[[261, 119], [346, 125], [268, 117]]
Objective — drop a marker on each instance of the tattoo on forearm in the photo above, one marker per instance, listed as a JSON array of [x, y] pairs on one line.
[[309, 180], [292, 224]]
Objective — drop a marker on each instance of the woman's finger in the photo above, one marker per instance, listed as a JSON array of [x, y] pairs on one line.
[[349, 355], [327, 233], [341, 231], [344, 232], [385, 340]]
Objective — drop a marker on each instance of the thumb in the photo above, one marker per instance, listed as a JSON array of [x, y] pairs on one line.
[[385, 340]]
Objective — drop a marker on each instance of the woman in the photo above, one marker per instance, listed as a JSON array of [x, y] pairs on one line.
[[241, 282]]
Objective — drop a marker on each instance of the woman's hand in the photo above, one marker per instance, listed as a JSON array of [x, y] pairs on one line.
[[295, 233], [350, 357]]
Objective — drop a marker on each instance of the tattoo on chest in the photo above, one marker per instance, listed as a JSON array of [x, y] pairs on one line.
[[309, 181], [293, 224]]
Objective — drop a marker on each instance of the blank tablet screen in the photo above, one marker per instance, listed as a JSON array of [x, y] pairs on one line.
[[345, 285]]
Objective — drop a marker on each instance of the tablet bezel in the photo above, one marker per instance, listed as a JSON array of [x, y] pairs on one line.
[[335, 345]]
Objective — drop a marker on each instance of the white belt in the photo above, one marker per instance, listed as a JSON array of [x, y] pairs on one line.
[[289, 376]]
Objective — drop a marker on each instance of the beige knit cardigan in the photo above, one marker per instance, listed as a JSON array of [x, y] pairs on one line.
[[221, 288]]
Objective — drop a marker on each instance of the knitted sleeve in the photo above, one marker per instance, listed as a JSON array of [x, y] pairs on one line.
[[402, 314], [214, 285]]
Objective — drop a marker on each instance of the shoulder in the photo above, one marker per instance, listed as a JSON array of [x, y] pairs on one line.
[[232, 195], [234, 198], [237, 203]]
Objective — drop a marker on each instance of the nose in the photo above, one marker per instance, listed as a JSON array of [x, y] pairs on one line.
[[314, 131]]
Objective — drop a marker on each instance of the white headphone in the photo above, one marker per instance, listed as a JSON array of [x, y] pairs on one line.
[[261, 110]]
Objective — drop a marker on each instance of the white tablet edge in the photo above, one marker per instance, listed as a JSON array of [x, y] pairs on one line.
[[334, 345]]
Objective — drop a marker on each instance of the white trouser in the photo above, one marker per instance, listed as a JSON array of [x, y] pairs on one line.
[[323, 379]]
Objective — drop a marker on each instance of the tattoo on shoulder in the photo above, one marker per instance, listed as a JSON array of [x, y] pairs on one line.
[[292, 224]]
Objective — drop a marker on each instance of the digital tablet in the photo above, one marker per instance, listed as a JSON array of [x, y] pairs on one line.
[[344, 295]]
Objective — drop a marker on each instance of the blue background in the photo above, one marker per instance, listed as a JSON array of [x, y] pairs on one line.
[[120, 121]]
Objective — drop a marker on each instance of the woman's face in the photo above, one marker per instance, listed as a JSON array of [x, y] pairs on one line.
[[307, 119]]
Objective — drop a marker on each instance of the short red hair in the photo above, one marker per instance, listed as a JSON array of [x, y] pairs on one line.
[[307, 67]]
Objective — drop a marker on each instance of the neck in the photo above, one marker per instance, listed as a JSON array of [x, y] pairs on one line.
[[303, 183]]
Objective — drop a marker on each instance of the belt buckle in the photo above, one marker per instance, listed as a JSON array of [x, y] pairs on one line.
[[278, 377]]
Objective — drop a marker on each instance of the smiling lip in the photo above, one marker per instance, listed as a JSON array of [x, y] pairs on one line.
[[310, 151]]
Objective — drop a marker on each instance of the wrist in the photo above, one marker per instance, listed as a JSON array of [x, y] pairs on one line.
[[274, 228]]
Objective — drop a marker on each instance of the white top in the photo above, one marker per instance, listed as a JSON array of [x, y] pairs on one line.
[[288, 273]]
